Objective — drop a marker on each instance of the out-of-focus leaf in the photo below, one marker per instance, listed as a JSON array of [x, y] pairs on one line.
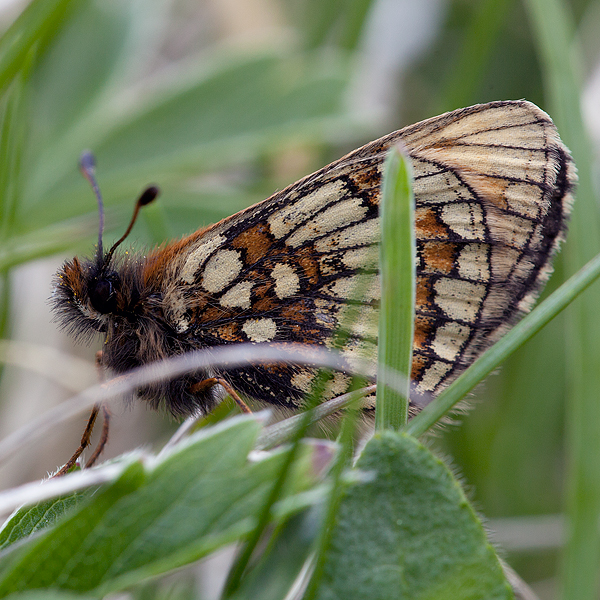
[[49, 595], [235, 112], [37, 24], [78, 66]]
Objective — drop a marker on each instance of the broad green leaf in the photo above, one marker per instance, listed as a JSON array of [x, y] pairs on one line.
[[408, 532], [159, 517], [30, 519]]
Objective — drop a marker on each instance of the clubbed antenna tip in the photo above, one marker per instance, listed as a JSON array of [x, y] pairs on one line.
[[147, 196]]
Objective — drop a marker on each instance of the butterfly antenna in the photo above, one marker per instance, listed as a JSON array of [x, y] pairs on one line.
[[146, 197], [87, 166]]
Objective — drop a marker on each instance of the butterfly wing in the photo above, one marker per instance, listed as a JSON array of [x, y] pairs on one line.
[[492, 186]]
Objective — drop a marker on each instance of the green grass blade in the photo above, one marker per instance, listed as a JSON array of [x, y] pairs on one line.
[[338, 487], [37, 23], [492, 358], [398, 276], [340, 22], [562, 64], [279, 566], [239, 568]]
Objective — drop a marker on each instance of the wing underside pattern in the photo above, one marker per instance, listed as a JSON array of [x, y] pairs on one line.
[[493, 189]]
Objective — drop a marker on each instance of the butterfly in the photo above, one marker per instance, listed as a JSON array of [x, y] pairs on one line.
[[493, 190]]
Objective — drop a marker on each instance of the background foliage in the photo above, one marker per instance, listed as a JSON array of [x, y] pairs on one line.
[[222, 103]]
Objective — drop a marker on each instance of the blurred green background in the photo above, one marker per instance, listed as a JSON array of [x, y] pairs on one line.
[[221, 103]]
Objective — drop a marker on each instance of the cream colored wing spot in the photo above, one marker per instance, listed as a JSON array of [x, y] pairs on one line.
[[287, 282], [514, 232], [361, 234], [471, 162], [460, 300], [366, 288], [529, 136], [466, 220], [496, 118], [221, 269], [289, 218], [239, 296], [366, 323], [333, 218], [197, 258], [260, 330], [449, 340], [352, 260], [357, 350], [303, 380], [440, 188], [175, 309], [473, 262], [361, 258], [432, 376], [525, 199], [338, 385]]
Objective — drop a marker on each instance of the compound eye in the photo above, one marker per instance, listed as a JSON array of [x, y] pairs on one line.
[[102, 296]]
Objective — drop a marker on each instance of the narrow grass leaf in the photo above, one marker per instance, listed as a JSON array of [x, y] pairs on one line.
[[38, 23], [478, 48], [281, 563], [562, 63], [398, 276], [338, 488]]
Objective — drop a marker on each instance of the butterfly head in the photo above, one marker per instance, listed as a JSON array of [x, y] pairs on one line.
[[88, 292]]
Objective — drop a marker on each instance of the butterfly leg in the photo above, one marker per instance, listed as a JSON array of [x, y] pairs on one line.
[[103, 437], [85, 441], [89, 428], [211, 381], [105, 414]]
